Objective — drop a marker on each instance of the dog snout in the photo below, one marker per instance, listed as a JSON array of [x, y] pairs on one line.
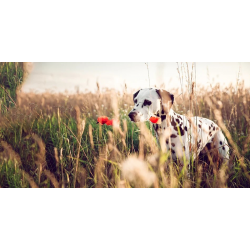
[[132, 115]]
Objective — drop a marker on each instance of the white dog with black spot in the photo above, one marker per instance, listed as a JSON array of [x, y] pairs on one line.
[[186, 135]]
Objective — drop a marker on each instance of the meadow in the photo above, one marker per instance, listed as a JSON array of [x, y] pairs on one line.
[[55, 140]]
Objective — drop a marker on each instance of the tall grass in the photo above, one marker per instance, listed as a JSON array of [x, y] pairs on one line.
[[55, 141]]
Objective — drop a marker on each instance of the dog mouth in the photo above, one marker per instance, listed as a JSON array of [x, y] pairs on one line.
[[134, 116]]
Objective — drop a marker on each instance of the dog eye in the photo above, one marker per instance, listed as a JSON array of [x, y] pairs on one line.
[[147, 103]]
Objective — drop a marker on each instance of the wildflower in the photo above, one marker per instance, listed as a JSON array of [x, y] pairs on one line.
[[154, 119], [102, 119]]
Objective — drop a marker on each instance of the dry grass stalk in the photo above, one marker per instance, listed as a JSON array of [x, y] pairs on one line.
[[9, 154], [80, 129], [56, 157], [40, 156], [52, 178], [91, 136], [100, 167], [81, 177], [29, 179], [148, 138], [113, 150]]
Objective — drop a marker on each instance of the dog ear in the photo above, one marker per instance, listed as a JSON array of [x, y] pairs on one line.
[[135, 94], [167, 99]]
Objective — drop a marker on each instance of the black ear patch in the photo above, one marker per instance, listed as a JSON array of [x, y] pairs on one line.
[[135, 94], [167, 99]]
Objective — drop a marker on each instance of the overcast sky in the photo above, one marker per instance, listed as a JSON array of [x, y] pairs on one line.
[[58, 77]]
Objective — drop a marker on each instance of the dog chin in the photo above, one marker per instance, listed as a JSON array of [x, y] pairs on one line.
[[141, 119], [138, 119], [135, 120]]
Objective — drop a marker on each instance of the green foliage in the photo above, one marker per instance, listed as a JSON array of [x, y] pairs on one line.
[[11, 176], [11, 75]]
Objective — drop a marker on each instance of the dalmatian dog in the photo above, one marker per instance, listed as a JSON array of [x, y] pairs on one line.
[[186, 135]]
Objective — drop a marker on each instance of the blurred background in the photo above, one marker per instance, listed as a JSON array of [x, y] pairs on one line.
[[82, 77]]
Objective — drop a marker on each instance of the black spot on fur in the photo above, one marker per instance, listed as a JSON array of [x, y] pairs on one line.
[[176, 126], [185, 128], [162, 112], [173, 152], [179, 117], [173, 145], [181, 131], [220, 142], [167, 141], [173, 123], [223, 148], [173, 136], [177, 120], [146, 103], [163, 117], [199, 126], [214, 129], [184, 148]]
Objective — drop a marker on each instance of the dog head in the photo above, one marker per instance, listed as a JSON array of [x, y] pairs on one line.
[[150, 102]]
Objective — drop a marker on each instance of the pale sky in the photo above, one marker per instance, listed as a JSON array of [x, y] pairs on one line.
[[58, 77]]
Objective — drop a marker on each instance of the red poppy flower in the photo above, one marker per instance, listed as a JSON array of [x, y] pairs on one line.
[[154, 119], [111, 122], [102, 120]]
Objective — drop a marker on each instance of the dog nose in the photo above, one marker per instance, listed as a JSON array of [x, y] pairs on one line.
[[132, 115]]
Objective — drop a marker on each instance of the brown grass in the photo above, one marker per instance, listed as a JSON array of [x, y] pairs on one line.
[[98, 156]]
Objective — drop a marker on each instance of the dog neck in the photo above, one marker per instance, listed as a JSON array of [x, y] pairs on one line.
[[166, 117], [164, 121]]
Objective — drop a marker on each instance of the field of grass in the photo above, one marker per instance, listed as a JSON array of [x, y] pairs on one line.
[[55, 141]]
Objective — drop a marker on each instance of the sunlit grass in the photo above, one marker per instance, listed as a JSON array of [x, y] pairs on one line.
[[43, 142]]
